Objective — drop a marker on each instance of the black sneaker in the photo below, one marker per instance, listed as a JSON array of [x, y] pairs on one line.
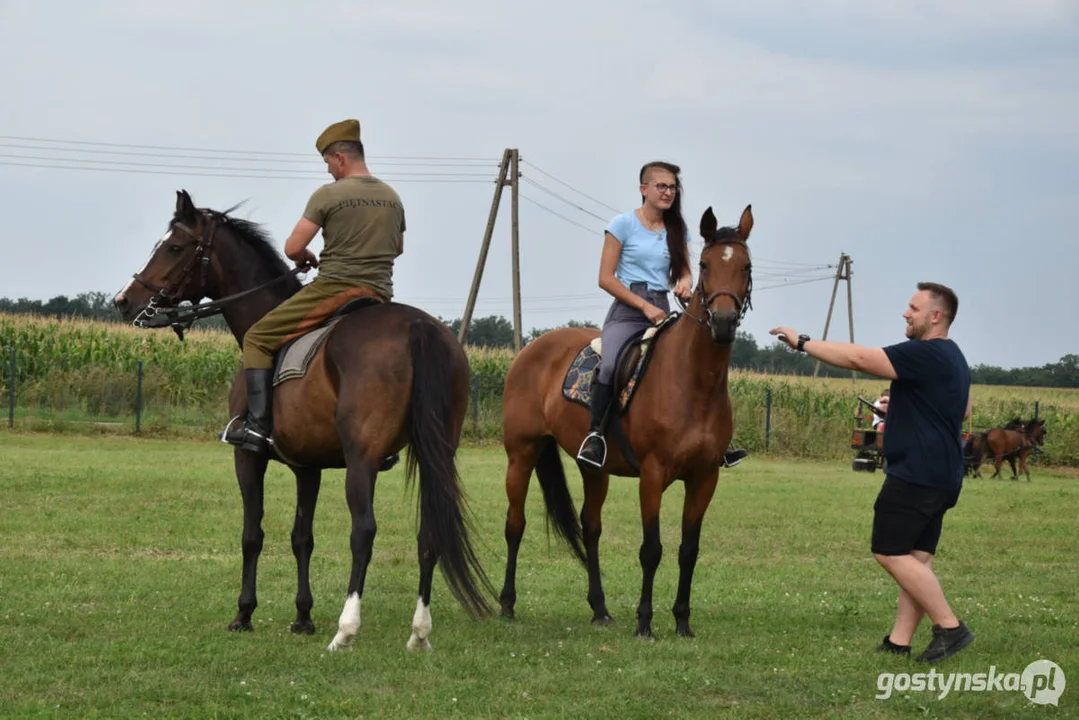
[[890, 647], [734, 456], [946, 642]]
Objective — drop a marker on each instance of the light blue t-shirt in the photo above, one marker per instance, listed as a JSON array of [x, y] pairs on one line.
[[645, 257]]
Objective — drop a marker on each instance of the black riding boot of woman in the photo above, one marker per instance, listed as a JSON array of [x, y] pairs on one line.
[[594, 448]]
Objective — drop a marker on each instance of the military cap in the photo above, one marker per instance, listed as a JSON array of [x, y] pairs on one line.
[[348, 130]]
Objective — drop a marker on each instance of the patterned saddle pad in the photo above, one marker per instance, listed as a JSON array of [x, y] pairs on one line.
[[577, 385]]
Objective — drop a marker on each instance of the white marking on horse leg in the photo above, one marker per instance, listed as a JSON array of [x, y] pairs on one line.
[[348, 625], [421, 627], [728, 253]]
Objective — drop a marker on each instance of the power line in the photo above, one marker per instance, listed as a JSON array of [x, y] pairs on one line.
[[560, 182], [794, 275], [555, 195], [314, 164], [796, 264], [503, 298], [22, 138], [298, 173], [792, 284], [234, 175], [540, 205]]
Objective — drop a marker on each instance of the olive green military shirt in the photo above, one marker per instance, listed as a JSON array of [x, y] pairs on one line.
[[362, 219]]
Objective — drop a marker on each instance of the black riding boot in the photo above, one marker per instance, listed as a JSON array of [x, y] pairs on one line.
[[254, 434], [594, 448]]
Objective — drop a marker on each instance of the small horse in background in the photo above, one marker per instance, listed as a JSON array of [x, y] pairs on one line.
[[975, 448], [1016, 440]]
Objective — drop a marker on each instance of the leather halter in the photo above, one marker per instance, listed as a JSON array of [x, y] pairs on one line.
[[741, 304], [173, 292], [181, 318]]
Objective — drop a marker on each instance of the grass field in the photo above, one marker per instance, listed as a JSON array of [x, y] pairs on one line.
[[120, 568]]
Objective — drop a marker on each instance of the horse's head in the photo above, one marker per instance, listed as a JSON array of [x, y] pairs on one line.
[[726, 280], [1035, 431], [178, 268]]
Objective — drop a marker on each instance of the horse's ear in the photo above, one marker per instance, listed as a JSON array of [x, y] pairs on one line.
[[745, 225], [185, 207], [709, 225]]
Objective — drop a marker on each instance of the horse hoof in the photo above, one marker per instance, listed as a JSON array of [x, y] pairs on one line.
[[645, 635], [686, 632], [418, 643], [603, 620], [508, 614], [241, 625], [303, 627]]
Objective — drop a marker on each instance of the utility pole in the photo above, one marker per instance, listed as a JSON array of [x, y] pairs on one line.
[[508, 174], [842, 272], [515, 176]]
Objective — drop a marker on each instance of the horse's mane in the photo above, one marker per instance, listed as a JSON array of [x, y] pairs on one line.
[[255, 237]]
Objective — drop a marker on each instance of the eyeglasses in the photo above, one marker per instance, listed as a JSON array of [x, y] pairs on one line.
[[663, 188]]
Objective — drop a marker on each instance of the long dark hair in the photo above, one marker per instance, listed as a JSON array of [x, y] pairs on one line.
[[673, 222]]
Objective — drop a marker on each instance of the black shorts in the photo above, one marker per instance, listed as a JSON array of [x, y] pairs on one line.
[[909, 517]]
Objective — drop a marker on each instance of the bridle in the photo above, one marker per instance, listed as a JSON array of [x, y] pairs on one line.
[[165, 300], [170, 293], [742, 304]]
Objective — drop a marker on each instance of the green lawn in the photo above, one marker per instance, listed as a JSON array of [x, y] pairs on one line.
[[120, 569]]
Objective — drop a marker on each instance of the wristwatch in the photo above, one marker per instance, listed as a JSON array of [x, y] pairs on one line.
[[802, 339]]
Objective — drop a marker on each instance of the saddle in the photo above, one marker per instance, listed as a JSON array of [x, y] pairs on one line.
[[294, 357], [632, 362]]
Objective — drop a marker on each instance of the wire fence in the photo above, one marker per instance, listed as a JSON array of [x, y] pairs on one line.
[[784, 420]]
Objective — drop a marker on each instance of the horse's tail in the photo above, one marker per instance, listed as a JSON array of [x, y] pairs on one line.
[[560, 510], [434, 431], [974, 452]]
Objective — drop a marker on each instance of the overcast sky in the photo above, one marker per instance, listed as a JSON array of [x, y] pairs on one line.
[[928, 140]]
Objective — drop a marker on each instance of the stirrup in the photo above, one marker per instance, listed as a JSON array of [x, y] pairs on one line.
[[743, 454], [229, 427], [246, 442], [580, 451]]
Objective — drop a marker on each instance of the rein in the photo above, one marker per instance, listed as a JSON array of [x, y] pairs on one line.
[[181, 318]]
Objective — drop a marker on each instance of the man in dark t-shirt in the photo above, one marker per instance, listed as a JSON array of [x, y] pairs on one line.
[[923, 456]]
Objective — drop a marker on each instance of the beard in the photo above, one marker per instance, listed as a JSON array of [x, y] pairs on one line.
[[917, 332]]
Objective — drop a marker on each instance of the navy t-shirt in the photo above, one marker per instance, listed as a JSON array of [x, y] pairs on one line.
[[922, 436]]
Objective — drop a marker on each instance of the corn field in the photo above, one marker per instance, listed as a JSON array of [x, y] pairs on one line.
[[87, 368]]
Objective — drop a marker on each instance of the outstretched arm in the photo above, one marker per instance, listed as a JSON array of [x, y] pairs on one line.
[[871, 361]]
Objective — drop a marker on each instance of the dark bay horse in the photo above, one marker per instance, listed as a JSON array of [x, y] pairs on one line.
[[678, 427], [389, 375], [976, 449], [1015, 441]]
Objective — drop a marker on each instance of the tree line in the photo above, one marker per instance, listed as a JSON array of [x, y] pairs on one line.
[[495, 331]]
